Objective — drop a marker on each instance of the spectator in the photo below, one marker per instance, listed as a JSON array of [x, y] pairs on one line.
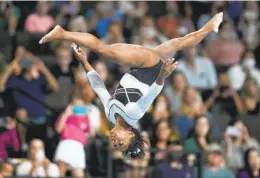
[[33, 23], [174, 165], [199, 137], [149, 36], [175, 90], [162, 134], [227, 49], [199, 71], [250, 97], [64, 74], [237, 141], [6, 170], [192, 104], [167, 24], [10, 15], [248, 24], [114, 34], [186, 24], [161, 109], [29, 87], [238, 73], [8, 137], [21, 116], [74, 129], [252, 164], [78, 24], [224, 98], [37, 164], [215, 165]]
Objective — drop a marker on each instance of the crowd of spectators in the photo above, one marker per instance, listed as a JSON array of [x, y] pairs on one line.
[[53, 125]]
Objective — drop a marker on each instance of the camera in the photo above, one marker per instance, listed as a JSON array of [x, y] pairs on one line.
[[3, 122]]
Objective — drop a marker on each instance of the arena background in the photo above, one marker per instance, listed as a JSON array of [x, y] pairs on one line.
[[221, 75]]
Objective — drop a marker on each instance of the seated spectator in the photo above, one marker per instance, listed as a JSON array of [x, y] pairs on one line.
[[175, 90], [63, 73], [30, 85], [78, 24], [199, 137], [6, 170], [37, 164], [10, 15], [114, 34], [250, 97], [74, 128], [227, 50], [34, 22], [215, 164], [161, 109], [238, 73], [199, 71], [148, 34], [163, 133], [248, 24], [237, 141], [186, 23], [8, 137], [192, 104], [174, 165], [252, 164], [224, 98]]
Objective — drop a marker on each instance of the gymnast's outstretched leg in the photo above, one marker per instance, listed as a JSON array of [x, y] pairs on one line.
[[135, 55]]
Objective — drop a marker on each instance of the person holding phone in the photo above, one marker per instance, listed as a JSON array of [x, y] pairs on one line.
[[74, 128]]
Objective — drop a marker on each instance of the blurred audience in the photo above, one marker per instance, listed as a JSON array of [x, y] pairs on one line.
[[37, 164]]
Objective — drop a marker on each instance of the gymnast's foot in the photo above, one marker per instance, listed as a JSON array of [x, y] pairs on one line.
[[54, 34], [213, 24]]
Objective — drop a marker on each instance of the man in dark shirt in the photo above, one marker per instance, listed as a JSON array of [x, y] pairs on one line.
[[30, 86]]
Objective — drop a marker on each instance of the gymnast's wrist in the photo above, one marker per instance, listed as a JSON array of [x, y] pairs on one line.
[[160, 80]]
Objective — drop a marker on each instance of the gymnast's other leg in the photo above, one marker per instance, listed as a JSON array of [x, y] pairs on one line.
[[127, 54], [167, 49]]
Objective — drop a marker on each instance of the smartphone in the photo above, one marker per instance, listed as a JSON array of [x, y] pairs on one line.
[[233, 131]]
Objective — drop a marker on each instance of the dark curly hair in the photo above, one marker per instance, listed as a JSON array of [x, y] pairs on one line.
[[136, 147]]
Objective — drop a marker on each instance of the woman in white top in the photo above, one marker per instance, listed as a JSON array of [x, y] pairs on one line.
[[139, 86]]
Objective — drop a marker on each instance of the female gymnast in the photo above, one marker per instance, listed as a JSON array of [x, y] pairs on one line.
[[139, 86]]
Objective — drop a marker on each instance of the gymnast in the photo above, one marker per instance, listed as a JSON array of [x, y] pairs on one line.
[[149, 67]]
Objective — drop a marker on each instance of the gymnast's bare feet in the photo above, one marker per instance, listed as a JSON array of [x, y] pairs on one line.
[[54, 34], [213, 24]]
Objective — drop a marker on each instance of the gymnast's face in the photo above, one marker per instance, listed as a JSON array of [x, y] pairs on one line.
[[120, 138]]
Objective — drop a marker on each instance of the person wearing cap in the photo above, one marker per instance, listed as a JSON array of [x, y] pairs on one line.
[[29, 79], [215, 166]]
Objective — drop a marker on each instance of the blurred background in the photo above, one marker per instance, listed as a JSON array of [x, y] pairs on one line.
[[204, 124]]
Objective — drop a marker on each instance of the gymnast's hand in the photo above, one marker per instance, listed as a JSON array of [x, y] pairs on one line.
[[79, 53], [167, 68]]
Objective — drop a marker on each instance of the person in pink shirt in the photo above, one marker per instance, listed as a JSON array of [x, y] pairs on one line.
[[74, 128], [8, 137], [39, 22]]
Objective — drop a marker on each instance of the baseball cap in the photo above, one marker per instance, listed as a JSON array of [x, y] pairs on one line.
[[214, 148]]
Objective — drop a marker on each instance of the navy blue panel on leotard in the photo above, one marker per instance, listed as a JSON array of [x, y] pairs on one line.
[[146, 75]]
